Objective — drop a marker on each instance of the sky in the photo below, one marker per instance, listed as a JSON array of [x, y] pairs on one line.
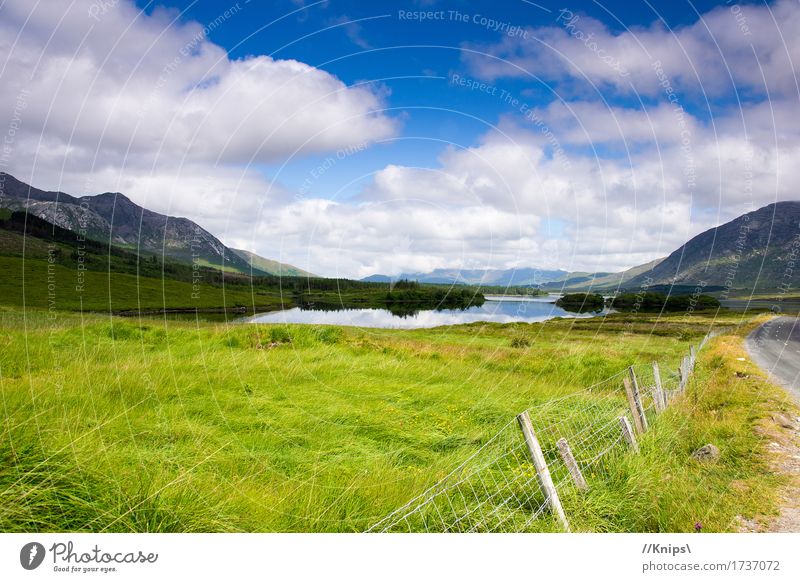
[[351, 138]]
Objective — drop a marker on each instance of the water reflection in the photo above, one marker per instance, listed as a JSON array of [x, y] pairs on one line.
[[498, 310]]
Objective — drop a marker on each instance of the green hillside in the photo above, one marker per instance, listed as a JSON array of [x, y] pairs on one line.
[[271, 267]]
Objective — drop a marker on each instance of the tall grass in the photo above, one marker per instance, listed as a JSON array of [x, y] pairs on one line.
[[156, 425]]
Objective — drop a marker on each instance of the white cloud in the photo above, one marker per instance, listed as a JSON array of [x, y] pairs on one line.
[[144, 89], [399, 235]]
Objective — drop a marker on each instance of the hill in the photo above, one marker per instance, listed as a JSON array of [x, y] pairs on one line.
[[113, 218], [259, 263]]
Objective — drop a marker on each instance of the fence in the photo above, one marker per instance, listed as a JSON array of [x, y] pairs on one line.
[[516, 481]]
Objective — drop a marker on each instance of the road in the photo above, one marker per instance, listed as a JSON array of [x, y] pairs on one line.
[[775, 346]]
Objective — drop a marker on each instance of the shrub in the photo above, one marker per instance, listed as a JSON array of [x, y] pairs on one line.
[[328, 335], [520, 342], [280, 335]]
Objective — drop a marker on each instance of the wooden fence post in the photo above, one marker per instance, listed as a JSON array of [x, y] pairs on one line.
[[683, 375], [637, 398], [572, 465], [659, 396], [632, 404], [627, 433], [542, 472], [692, 356]]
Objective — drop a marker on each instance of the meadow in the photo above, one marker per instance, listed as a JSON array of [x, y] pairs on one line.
[[150, 424]]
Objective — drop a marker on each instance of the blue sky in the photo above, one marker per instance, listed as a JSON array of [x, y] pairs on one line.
[[357, 137], [413, 59]]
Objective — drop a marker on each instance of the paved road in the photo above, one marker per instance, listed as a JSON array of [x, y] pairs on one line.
[[775, 346]]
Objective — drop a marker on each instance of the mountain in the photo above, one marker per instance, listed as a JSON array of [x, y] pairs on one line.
[[756, 251], [549, 280], [269, 266], [114, 218], [503, 277]]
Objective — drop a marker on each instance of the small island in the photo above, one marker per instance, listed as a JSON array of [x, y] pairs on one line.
[[581, 302], [652, 301], [648, 301]]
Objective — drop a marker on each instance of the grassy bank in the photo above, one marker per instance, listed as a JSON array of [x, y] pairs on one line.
[[728, 403], [134, 425]]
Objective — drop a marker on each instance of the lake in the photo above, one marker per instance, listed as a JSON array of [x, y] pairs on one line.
[[496, 309], [777, 305]]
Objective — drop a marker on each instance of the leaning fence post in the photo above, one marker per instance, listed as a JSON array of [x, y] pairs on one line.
[[542, 472], [637, 398], [627, 433], [683, 374], [660, 397], [687, 366], [632, 404], [692, 356], [572, 465]]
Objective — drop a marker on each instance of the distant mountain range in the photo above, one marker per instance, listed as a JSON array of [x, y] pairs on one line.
[[757, 251], [547, 279], [113, 218], [503, 277]]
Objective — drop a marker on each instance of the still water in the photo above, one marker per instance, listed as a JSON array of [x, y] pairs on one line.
[[790, 306], [495, 309]]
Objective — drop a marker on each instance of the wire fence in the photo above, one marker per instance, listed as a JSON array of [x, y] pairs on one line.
[[515, 481]]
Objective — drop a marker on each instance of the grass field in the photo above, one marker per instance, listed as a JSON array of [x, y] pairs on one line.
[[115, 424]]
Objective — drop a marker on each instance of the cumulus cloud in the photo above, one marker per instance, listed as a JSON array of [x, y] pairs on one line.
[[124, 85], [399, 235]]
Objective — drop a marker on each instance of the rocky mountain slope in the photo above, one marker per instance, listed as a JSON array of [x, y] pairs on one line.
[[756, 251]]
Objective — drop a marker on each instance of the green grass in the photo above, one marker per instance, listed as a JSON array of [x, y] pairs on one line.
[[115, 424]]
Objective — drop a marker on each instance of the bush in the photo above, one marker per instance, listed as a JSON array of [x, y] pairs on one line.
[[520, 342], [280, 335], [328, 335]]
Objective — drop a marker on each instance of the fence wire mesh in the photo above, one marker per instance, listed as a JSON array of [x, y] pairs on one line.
[[498, 489]]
